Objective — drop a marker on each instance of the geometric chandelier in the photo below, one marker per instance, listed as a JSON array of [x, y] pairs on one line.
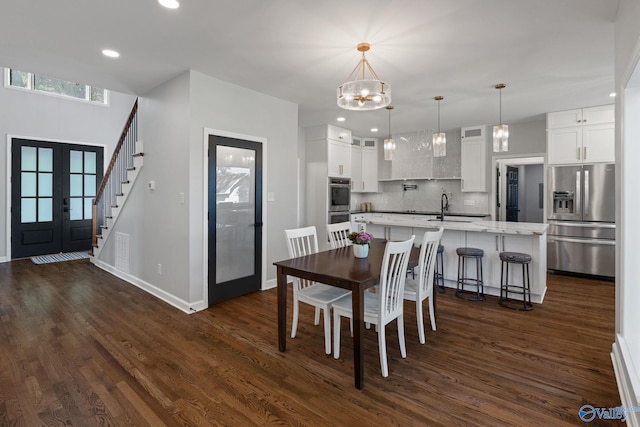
[[360, 93]]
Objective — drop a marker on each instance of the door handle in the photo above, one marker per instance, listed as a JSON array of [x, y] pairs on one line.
[[584, 153], [578, 154]]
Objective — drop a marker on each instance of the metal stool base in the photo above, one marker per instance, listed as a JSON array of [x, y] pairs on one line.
[[478, 282], [524, 289]]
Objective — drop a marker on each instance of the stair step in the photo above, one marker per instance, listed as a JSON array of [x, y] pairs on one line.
[[99, 236], [114, 206], [108, 217], [137, 154], [104, 227], [132, 168], [125, 182], [119, 194]]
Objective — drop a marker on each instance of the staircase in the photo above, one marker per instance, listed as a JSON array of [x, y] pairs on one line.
[[117, 182]]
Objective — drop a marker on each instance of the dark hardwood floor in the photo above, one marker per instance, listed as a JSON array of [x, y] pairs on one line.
[[80, 347]]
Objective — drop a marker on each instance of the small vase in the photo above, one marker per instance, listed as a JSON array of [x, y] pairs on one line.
[[360, 251]]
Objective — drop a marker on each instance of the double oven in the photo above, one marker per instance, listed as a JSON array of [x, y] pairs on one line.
[[339, 200]]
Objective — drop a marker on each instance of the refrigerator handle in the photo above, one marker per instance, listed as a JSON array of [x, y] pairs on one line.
[[585, 209], [578, 202]]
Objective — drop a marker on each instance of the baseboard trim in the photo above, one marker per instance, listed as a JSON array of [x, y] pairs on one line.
[[172, 300], [4, 259], [270, 284], [625, 375]]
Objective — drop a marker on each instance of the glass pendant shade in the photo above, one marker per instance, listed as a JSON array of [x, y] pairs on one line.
[[500, 138], [389, 147], [363, 93], [501, 131], [439, 144]]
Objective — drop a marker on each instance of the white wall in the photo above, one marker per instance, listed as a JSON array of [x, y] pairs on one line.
[[626, 349], [46, 117], [219, 105], [173, 118]]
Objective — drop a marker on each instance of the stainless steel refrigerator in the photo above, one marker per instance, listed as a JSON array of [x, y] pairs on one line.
[[581, 235]]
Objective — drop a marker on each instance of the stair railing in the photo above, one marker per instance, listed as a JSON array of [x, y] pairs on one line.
[[115, 175]]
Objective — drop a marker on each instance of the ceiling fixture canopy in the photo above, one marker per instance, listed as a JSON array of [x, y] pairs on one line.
[[439, 138], [501, 131], [389, 145], [360, 93]]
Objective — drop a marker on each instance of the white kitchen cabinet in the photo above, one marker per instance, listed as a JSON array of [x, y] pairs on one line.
[[339, 159], [364, 165], [356, 166], [585, 135], [473, 163]]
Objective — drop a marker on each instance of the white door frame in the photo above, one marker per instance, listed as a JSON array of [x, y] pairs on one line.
[[501, 164]]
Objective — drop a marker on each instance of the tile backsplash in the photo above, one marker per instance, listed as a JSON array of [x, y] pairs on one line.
[[425, 198]]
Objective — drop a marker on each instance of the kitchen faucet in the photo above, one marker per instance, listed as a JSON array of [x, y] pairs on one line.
[[444, 205]]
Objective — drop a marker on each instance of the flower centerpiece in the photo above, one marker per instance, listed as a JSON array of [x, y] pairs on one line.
[[361, 241]]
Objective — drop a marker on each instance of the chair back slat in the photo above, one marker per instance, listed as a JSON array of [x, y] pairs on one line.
[[301, 242], [392, 278], [338, 234], [427, 261]]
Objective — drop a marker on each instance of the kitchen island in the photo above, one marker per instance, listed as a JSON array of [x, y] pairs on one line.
[[460, 231]]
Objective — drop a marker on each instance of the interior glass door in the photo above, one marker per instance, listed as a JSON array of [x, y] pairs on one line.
[[235, 188]]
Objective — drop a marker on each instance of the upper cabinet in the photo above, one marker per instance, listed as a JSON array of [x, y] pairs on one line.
[[473, 159], [364, 165], [330, 144], [583, 135]]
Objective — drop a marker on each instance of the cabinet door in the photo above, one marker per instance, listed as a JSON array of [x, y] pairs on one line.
[[369, 171], [563, 119], [473, 165], [490, 264], [564, 145], [339, 158], [598, 115], [598, 143], [356, 169], [451, 240]]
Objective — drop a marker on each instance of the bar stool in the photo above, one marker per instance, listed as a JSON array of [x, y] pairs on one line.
[[506, 288], [438, 276], [478, 294]]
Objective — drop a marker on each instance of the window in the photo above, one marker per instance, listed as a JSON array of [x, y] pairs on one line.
[[40, 83]]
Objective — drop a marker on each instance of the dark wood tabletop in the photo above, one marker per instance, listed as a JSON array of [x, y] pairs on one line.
[[337, 267]]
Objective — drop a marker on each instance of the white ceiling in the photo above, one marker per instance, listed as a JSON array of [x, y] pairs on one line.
[[552, 54]]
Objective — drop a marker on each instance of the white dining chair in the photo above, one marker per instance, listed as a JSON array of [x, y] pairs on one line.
[[422, 288], [301, 242], [385, 305], [338, 234]]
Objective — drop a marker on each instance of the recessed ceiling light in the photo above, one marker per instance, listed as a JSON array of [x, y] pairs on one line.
[[612, 94], [374, 129], [169, 4], [110, 53], [341, 119]]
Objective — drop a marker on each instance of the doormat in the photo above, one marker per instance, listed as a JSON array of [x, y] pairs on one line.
[[46, 259]]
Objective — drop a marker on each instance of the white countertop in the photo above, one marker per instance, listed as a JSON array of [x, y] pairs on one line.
[[523, 228]]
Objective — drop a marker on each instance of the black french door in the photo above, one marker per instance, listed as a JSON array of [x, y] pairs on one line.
[[235, 217], [52, 187]]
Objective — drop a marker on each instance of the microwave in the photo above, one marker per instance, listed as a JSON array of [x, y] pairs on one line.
[[339, 194]]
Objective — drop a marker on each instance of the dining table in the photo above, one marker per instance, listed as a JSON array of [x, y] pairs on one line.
[[337, 267]]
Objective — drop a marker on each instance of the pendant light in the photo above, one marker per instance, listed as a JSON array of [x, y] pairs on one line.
[[439, 138], [360, 93], [501, 131], [389, 144]]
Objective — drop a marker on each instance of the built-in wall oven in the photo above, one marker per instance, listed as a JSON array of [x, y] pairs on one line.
[[339, 200], [339, 194]]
